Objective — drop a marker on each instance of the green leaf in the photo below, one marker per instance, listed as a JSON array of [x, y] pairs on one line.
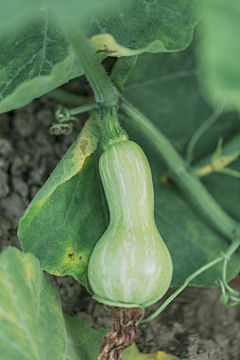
[[30, 51], [219, 52], [66, 217], [35, 54], [32, 324], [132, 27], [28, 87], [165, 88]]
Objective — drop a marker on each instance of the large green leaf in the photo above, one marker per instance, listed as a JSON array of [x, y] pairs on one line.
[[34, 51], [165, 88], [66, 217], [29, 86], [219, 52], [35, 55], [32, 324], [146, 26]]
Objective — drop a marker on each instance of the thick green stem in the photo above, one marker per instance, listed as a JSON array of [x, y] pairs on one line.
[[196, 193], [112, 132], [105, 92], [83, 108], [227, 255], [66, 97]]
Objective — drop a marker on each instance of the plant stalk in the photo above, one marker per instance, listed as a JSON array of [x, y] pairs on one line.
[[67, 97], [105, 92], [83, 108], [197, 194]]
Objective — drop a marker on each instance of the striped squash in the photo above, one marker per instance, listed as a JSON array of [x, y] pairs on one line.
[[130, 264]]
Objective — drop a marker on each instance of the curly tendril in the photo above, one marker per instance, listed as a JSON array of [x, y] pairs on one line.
[[229, 297], [65, 122]]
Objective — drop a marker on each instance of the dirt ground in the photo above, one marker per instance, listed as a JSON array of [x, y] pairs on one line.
[[194, 326]]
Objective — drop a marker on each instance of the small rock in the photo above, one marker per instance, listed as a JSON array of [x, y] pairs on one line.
[[25, 122], [99, 310], [38, 175], [104, 322], [5, 226], [4, 164], [5, 147], [14, 207], [20, 187], [4, 188], [149, 335], [90, 307], [69, 290], [17, 166], [45, 116], [5, 124]]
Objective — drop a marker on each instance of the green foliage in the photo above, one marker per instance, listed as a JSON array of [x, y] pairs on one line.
[[219, 52], [68, 215], [26, 88], [66, 218], [32, 324], [148, 26], [165, 88], [122, 70], [35, 53]]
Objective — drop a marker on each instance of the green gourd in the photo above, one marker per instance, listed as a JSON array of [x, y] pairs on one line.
[[130, 264]]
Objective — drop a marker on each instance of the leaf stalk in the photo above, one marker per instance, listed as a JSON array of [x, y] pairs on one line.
[[105, 92], [195, 191]]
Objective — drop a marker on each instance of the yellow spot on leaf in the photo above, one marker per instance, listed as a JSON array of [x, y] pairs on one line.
[[40, 204], [159, 355], [72, 257], [107, 43], [86, 144], [57, 273]]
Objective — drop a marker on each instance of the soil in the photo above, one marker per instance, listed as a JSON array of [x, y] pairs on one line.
[[194, 326]]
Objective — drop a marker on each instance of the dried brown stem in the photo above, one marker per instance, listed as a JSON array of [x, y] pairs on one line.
[[125, 323]]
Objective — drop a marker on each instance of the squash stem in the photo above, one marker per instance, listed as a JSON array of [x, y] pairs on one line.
[[195, 191], [112, 132], [105, 92], [223, 257]]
